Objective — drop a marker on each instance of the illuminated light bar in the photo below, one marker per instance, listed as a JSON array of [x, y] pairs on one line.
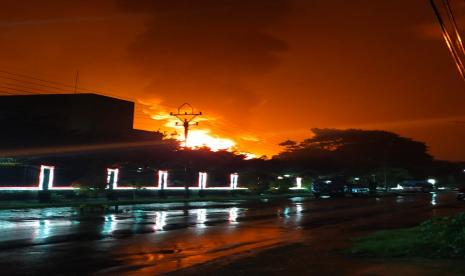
[[234, 177], [163, 182], [51, 178], [233, 184], [15, 188], [202, 180], [162, 178], [40, 185], [298, 184], [112, 179]]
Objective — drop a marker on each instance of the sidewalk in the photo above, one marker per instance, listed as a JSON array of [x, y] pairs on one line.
[[27, 204]]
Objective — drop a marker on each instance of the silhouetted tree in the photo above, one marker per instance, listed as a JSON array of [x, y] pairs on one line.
[[355, 151]]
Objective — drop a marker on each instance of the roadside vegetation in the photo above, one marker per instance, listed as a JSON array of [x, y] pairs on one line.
[[441, 237]]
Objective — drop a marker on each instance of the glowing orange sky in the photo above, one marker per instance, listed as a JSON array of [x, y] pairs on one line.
[[262, 71]]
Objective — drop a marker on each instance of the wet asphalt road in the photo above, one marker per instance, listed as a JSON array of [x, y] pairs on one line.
[[160, 238]]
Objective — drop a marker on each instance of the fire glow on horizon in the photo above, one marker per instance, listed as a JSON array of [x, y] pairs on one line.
[[199, 137]]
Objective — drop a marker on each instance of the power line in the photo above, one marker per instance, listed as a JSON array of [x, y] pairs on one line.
[[69, 88], [26, 87], [34, 83], [452, 45], [46, 81], [19, 90]]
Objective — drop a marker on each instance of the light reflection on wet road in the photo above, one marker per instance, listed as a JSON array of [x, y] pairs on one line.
[[158, 238]]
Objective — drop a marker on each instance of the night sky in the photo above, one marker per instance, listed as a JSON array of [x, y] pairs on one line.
[[262, 71]]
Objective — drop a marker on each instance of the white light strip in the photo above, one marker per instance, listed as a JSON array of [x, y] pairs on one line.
[[298, 184], [162, 181], [113, 185], [51, 182], [233, 181], [20, 189], [202, 180], [40, 185]]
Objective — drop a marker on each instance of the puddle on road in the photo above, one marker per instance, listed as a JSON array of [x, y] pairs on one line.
[[145, 255]]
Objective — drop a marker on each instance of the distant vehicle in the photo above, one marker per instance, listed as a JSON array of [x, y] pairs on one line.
[[329, 187], [358, 189], [338, 187], [418, 186]]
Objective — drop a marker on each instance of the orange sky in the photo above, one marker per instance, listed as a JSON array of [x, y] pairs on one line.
[[262, 71]]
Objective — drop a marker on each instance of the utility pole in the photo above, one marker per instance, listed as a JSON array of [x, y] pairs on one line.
[[186, 118], [76, 82]]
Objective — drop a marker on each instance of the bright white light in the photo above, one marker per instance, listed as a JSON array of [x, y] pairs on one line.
[[398, 187], [298, 184], [20, 189], [160, 220], [432, 181], [234, 177], [40, 185], [287, 175], [280, 177], [49, 184], [357, 179], [233, 215], [202, 180], [162, 179], [233, 184], [109, 224], [51, 178], [328, 181], [433, 199], [201, 217], [114, 183]]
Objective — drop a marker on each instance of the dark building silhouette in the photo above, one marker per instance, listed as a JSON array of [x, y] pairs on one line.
[[63, 119]]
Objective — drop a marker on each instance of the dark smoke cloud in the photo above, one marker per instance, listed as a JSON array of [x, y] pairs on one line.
[[205, 51]]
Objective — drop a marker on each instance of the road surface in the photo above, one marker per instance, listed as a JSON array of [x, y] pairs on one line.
[[192, 237]]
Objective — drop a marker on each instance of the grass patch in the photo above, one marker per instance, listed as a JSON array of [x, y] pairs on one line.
[[442, 237]]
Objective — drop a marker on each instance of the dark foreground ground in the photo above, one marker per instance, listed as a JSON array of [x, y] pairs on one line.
[[321, 249], [245, 237]]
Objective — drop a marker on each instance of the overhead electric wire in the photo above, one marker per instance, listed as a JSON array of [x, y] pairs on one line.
[[450, 44], [34, 83], [47, 81], [19, 90], [66, 88], [451, 16], [40, 90]]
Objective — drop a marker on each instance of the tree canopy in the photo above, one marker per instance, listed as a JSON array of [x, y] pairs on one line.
[[330, 150]]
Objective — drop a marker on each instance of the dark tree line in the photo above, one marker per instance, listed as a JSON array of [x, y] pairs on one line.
[[377, 155]]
